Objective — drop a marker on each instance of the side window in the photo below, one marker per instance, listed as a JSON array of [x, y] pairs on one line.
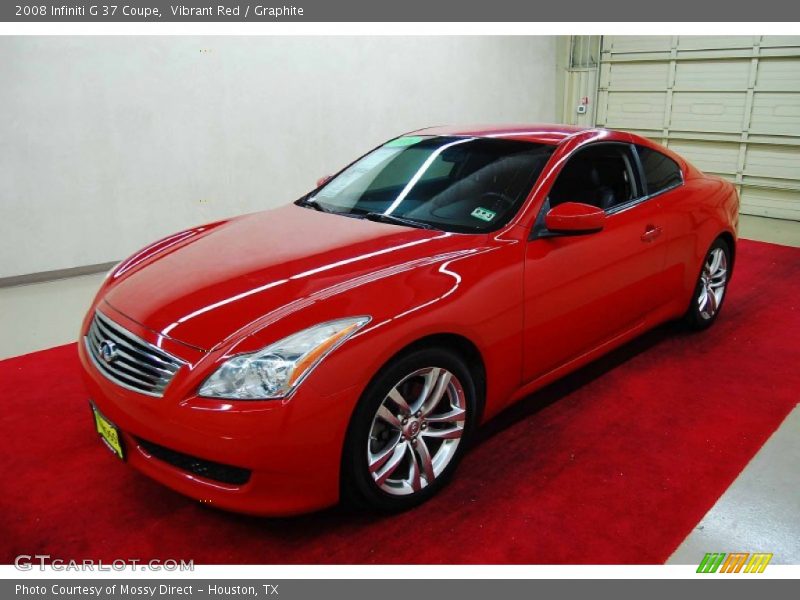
[[600, 175], [661, 172]]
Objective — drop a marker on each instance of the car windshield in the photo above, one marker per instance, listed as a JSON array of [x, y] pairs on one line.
[[460, 184]]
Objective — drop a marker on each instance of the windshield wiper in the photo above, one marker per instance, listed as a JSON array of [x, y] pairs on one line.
[[384, 218], [312, 203]]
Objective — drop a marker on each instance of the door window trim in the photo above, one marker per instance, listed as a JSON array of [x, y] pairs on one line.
[[643, 175]]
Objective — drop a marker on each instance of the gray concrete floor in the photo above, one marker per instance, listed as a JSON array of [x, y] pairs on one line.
[[759, 512]]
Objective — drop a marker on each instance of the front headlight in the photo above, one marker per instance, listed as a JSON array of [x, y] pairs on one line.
[[277, 369]]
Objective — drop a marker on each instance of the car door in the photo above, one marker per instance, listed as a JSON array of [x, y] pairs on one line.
[[680, 217], [584, 290]]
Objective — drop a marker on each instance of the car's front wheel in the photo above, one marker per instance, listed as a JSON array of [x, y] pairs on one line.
[[711, 286], [409, 430]]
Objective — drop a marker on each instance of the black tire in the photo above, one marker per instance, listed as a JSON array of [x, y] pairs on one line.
[[358, 488], [696, 318]]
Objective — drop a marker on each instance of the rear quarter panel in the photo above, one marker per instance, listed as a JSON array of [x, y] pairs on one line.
[[695, 214]]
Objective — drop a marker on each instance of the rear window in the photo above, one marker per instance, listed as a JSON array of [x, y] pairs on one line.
[[660, 171]]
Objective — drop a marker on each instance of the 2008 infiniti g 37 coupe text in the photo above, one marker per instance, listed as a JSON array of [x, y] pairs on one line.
[[348, 344]]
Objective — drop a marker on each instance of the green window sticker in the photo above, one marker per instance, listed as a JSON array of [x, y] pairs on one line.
[[484, 214], [406, 140]]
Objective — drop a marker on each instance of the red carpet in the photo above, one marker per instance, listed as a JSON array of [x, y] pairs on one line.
[[614, 464]]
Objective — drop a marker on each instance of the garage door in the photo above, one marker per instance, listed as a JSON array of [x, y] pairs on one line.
[[731, 105]]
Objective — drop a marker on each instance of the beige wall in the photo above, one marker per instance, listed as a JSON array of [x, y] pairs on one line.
[[109, 143]]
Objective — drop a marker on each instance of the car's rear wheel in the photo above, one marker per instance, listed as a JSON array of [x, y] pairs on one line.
[[409, 431], [712, 284]]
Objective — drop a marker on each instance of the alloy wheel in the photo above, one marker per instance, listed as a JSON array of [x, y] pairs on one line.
[[713, 280], [416, 431]]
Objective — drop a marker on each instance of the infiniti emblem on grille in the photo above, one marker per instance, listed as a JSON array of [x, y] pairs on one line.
[[108, 350]]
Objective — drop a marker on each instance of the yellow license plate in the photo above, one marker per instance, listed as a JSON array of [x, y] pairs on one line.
[[109, 433]]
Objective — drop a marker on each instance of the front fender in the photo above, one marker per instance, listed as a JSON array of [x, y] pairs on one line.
[[476, 296]]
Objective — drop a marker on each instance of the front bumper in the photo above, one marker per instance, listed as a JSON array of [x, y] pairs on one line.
[[291, 449]]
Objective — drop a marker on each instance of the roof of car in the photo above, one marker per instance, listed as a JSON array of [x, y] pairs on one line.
[[534, 132]]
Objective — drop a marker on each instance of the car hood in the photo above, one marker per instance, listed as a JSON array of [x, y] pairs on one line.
[[209, 283]]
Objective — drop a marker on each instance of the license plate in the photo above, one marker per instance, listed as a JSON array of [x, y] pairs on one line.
[[109, 433]]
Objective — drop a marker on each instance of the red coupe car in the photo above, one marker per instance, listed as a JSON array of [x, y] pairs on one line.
[[347, 345]]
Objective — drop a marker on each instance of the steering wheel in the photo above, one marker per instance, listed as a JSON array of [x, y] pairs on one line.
[[495, 197]]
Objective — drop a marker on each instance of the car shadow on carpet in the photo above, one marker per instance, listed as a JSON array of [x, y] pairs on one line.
[[569, 384]]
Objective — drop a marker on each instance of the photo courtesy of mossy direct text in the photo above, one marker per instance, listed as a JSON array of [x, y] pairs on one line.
[[146, 590]]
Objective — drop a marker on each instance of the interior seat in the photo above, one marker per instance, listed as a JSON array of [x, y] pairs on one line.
[[605, 196]]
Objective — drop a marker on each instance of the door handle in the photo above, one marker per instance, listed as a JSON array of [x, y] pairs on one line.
[[651, 232]]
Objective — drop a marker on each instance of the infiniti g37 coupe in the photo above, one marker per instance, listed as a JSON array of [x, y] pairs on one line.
[[347, 345]]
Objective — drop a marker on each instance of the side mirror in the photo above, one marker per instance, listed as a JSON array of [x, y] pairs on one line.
[[323, 180], [575, 218]]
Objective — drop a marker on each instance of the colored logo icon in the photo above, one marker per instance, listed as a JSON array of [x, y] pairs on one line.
[[735, 562]]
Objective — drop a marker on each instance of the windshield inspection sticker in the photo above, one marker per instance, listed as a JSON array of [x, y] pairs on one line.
[[484, 214]]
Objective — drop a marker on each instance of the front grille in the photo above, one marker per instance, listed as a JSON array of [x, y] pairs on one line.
[[128, 360], [204, 468]]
